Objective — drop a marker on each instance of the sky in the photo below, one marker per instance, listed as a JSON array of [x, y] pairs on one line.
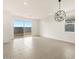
[[22, 23]]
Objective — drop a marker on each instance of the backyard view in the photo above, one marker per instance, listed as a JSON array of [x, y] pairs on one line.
[[22, 27]]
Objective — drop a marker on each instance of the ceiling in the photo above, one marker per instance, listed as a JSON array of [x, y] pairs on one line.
[[36, 8]]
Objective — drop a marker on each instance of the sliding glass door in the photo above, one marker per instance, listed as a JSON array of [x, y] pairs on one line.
[[22, 27]]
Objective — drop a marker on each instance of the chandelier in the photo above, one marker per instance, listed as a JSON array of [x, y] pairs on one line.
[[60, 15]]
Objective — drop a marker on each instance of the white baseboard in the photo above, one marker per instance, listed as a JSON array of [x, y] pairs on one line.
[[71, 42]]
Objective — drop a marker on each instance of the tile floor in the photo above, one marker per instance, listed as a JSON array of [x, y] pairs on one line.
[[38, 48]]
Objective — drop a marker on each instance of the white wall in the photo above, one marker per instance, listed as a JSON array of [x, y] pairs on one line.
[[7, 27], [35, 27], [56, 30]]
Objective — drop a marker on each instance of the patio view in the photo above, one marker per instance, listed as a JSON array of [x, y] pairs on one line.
[[22, 27]]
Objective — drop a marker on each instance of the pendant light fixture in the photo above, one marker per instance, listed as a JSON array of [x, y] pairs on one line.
[[60, 15]]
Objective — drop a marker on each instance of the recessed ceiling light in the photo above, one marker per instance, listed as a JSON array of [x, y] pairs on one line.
[[25, 3]]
